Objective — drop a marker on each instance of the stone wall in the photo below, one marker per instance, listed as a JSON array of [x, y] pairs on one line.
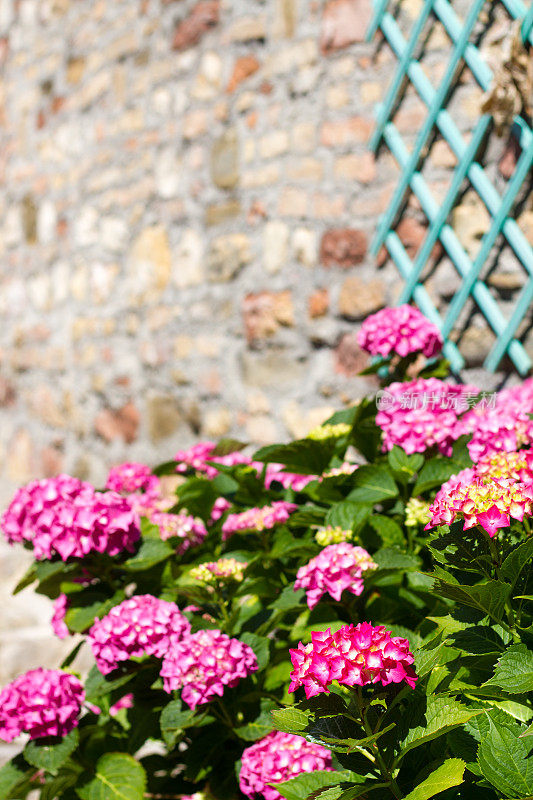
[[186, 202]]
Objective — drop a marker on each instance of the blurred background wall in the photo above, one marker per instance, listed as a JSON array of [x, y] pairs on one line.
[[186, 202]]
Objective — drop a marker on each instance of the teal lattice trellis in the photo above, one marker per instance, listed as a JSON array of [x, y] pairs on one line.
[[463, 51]]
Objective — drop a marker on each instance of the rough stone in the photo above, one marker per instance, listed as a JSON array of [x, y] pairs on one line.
[[150, 260], [275, 246], [225, 160], [343, 247], [343, 23], [218, 213], [203, 16], [304, 245], [358, 298], [227, 255], [188, 266], [245, 67], [262, 370], [346, 131], [265, 312], [121, 424], [163, 417], [318, 303], [349, 358]]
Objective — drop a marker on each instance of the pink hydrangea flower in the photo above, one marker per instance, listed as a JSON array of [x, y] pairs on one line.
[[133, 477], [199, 455], [191, 530], [338, 568], [124, 702], [401, 330], [496, 430], [220, 506], [516, 465], [258, 519], [203, 664], [42, 702], [68, 517], [141, 625], [423, 413], [277, 758], [58, 618], [289, 480], [353, 656], [481, 499]]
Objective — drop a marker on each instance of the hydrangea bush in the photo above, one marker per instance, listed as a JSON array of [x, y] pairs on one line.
[[347, 615]]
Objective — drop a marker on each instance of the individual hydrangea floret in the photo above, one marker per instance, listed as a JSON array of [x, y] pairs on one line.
[[42, 702], [220, 506], [329, 431], [399, 331], [133, 477], [353, 656], [58, 618], [338, 568], [141, 625], [422, 414], [68, 517], [332, 534], [480, 499], [225, 569], [190, 530], [258, 519], [124, 702], [199, 456], [203, 664], [276, 758], [416, 512]]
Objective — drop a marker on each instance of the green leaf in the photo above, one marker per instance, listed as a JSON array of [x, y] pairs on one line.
[[51, 752], [97, 685], [167, 468], [300, 787], [488, 597], [255, 730], [402, 463], [261, 647], [151, 552], [290, 720], [227, 446], [372, 485], [174, 719], [517, 560], [305, 456], [27, 579], [86, 605], [197, 495], [504, 759], [514, 670], [288, 599], [387, 529], [390, 558], [118, 777], [435, 472], [441, 715], [447, 775], [348, 515], [477, 640], [12, 776]]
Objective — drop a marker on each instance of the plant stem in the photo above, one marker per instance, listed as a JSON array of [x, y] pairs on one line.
[[380, 761]]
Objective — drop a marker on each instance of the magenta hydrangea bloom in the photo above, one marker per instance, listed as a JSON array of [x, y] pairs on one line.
[[423, 413], [199, 455], [58, 618], [277, 758], [289, 480], [401, 330], [338, 568], [258, 519], [141, 625], [132, 477], [354, 656], [68, 517], [124, 702], [42, 702], [220, 506], [204, 663], [191, 530], [482, 497]]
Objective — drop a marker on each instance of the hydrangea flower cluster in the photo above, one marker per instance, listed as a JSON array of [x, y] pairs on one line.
[[133, 477], [481, 500], [204, 663], [141, 625], [191, 530], [225, 569], [66, 516], [329, 431], [58, 618], [353, 656], [276, 758], [497, 429], [518, 465], [258, 519], [423, 413], [338, 568], [42, 702], [401, 330], [332, 534], [416, 512]]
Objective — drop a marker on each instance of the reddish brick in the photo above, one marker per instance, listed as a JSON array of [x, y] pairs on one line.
[[349, 358], [203, 16], [318, 303], [264, 312], [411, 233], [345, 131], [245, 66], [121, 424], [343, 23], [7, 393], [343, 247]]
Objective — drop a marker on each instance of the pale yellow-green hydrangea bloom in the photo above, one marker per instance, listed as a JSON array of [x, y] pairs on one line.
[[332, 535], [329, 431], [225, 569], [416, 513]]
